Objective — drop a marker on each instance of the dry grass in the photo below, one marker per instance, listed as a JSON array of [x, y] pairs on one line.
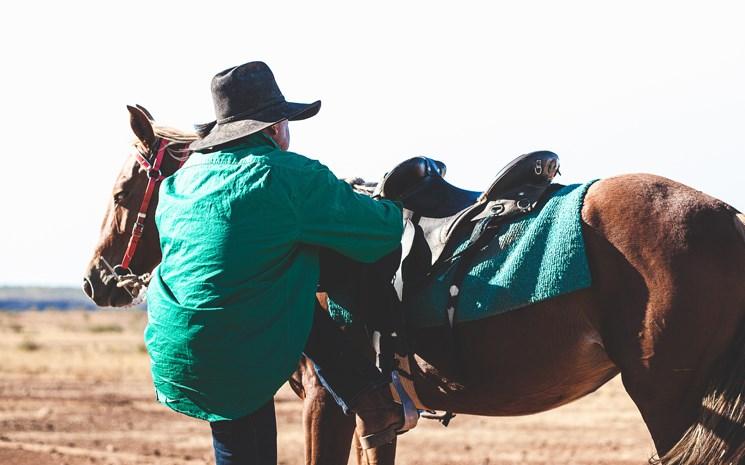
[[29, 345], [68, 345], [85, 397], [109, 328]]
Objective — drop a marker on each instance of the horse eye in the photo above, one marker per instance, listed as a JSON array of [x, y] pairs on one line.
[[119, 197]]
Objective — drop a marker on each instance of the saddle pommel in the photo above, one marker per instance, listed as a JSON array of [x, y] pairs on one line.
[[407, 176]]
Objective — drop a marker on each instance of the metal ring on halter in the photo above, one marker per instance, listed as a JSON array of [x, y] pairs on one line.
[[154, 174], [121, 271]]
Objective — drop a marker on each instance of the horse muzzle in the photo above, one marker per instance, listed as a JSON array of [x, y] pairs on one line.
[[100, 286]]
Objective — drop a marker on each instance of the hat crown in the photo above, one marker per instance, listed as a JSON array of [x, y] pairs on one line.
[[247, 100], [243, 90]]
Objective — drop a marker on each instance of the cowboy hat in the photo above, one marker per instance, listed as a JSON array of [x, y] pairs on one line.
[[247, 100]]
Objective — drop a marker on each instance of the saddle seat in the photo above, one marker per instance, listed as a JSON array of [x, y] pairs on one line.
[[420, 185], [441, 210]]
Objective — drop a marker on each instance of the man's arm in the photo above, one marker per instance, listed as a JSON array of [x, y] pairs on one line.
[[332, 215]]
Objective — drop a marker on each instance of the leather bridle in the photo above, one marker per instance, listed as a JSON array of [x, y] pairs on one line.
[[152, 163]]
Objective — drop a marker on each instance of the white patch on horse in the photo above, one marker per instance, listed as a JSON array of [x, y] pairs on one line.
[[407, 241]]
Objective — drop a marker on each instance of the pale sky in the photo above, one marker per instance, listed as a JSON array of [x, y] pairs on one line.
[[612, 87]]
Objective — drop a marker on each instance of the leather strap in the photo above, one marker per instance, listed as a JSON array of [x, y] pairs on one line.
[[154, 176]]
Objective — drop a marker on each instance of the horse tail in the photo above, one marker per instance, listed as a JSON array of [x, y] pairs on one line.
[[718, 436]]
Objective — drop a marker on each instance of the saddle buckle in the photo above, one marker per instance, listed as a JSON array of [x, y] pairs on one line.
[[538, 167]]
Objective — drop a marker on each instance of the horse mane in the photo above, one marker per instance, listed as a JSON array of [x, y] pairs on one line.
[[174, 135], [361, 186]]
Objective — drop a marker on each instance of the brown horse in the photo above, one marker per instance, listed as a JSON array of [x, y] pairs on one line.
[[666, 309]]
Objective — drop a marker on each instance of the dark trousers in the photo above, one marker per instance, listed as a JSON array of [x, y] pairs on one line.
[[250, 440], [346, 374]]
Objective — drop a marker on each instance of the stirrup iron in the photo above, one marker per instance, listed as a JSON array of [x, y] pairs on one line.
[[411, 413]]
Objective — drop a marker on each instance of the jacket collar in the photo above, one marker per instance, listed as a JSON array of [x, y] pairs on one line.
[[258, 139]]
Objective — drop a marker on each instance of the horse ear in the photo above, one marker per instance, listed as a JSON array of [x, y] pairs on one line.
[[141, 126], [144, 110]]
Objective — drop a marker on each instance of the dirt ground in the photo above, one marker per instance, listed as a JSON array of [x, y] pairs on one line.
[[75, 389]]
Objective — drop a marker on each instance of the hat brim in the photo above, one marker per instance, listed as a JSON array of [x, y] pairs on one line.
[[224, 133]]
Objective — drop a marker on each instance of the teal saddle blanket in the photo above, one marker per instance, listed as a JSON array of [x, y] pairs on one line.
[[537, 257]]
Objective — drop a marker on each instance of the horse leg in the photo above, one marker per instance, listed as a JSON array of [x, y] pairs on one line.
[[381, 455], [670, 285], [328, 431]]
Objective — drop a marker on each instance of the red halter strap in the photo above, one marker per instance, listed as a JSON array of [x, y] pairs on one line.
[[154, 176]]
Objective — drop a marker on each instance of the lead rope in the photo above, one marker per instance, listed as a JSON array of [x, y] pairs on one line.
[[127, 283], [116, 276]]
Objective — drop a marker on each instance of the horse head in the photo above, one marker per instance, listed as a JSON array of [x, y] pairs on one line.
[[128, 248]]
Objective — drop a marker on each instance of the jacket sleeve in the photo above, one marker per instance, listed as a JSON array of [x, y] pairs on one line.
[[332, 215]]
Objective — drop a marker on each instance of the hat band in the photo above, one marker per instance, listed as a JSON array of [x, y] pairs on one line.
[[244, 114]]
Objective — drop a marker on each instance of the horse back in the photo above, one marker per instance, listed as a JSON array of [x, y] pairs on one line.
[[740, 224]]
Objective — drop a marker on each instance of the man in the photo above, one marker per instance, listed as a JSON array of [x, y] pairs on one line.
[[232, 303]]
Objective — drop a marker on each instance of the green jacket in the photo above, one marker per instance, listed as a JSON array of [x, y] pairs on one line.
[[231, 304]]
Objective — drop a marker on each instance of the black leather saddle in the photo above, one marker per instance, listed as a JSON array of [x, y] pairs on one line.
[[446, 217], [442, 211]]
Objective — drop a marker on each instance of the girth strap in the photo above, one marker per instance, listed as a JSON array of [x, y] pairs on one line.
[[494, 215]]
